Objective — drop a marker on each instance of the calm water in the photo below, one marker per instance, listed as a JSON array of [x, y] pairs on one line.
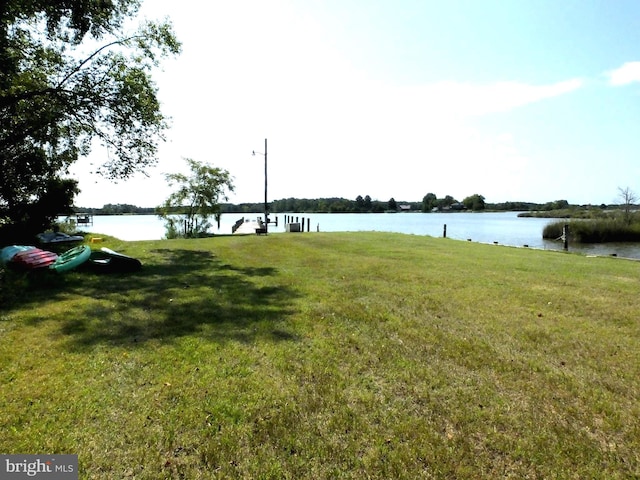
[[505, 228]]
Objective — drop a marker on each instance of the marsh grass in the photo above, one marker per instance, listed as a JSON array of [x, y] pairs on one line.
[[329, 355], [600, 230]]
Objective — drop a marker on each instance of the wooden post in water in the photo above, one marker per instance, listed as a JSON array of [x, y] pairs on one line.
[[565, 236], [444, 233], [308, 225]]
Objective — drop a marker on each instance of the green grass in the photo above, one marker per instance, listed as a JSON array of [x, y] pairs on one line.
[[329, 355]]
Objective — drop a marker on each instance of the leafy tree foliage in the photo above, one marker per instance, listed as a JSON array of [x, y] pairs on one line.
[[474, 202], [514, 206], [392, 204], [69, 75], [187, 210], [320, 205], [119, 209], [446, 202], [429, 202], [556, 205], [367, 203], [363, 205]]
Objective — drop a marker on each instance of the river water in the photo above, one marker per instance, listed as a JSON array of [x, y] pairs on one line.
[[504, 228]]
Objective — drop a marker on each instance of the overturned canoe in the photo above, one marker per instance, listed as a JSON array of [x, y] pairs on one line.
[[59, 238], [108, 261]]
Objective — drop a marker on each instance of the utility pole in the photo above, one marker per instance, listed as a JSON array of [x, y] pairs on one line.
[[266, 207]]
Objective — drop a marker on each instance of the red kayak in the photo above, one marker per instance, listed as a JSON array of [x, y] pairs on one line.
[[32, 259]]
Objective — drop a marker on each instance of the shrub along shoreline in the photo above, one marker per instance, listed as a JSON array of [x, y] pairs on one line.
[[332, 355]]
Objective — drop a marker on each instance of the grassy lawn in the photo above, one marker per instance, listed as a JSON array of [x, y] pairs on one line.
[[329, 355]]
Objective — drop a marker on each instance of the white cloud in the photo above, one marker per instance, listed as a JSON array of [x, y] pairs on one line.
[[626, 74]]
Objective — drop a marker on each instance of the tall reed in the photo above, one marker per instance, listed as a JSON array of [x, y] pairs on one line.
[[595, 231]]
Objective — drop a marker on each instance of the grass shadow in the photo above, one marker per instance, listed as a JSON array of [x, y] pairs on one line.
[[177, 293]]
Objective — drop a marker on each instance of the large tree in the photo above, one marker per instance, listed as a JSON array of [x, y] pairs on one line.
[[474, 202], [70, 74], [429, 202]]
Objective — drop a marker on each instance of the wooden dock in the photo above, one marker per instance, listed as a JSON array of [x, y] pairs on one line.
[[247, 227]]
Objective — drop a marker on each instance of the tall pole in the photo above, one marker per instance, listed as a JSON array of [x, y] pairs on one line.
[[266, 209]]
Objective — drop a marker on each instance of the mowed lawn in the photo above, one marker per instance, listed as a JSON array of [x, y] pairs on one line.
[[328, 355]]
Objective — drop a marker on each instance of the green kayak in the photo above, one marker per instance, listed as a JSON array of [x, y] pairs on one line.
[[72, 258]]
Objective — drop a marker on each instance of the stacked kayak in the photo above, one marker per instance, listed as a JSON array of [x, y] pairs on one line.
[[33, 259], [28, 258], [25, 258], [7, 253]]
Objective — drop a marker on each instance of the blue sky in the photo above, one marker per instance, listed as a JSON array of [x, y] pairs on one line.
[[515, 100]]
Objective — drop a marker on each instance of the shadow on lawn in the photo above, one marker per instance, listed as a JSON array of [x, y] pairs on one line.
[[177, 293]]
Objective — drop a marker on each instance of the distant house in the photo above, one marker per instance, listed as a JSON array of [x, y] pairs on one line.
[[455, 206], [404, 208]]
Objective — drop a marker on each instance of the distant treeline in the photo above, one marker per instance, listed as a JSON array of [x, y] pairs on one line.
[[366, 205], [429, 203], [117, 209]]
